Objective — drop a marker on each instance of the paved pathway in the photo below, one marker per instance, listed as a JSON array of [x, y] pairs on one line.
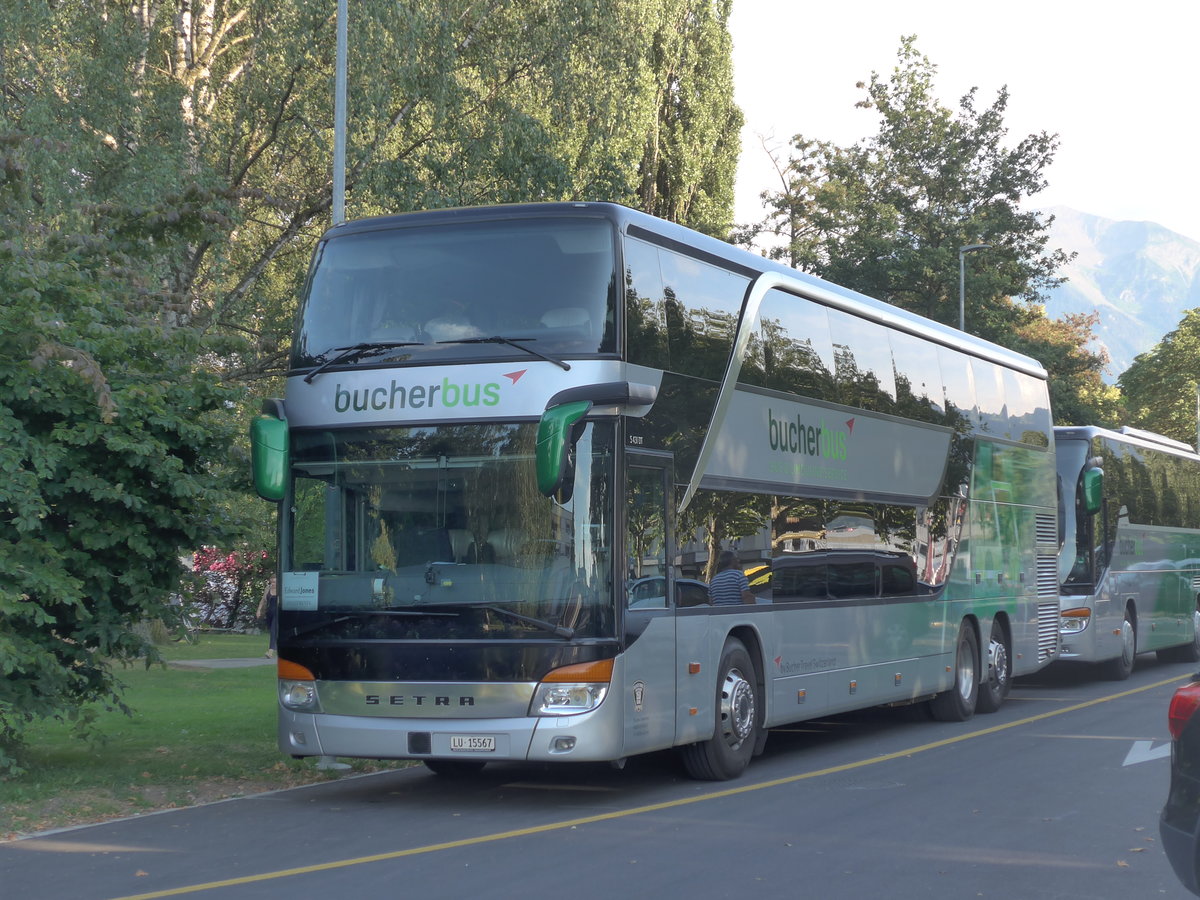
[[222, 663]]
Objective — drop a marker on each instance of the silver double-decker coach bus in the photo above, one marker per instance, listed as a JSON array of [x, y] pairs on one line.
[[516, 440]]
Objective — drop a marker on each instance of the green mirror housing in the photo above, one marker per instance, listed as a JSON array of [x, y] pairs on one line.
[[269, 456], [1092, 489], [554, 443]]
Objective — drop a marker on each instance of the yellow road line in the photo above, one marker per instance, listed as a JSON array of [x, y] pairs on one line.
[[638, 810]]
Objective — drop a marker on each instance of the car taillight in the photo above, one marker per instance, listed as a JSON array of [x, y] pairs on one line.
[[1183, 705]]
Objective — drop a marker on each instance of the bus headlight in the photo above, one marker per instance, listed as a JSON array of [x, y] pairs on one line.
[[300, 696], [297, 687], [572, 690], [567, 699], [1073, 621]]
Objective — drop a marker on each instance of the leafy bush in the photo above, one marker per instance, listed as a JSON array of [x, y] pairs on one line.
[[114, 438]]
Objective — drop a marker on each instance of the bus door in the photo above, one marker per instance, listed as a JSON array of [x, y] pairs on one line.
[[649, 659]]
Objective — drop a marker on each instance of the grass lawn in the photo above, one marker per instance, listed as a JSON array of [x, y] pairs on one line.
[[196, 735]]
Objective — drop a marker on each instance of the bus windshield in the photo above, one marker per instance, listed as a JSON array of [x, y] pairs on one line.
[[1075, 561], [443, 530], [478, 291]]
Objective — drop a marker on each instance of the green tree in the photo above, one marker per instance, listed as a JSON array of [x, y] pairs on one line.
[[1159, 387], [1078, 393], [690, 156], [887, 216], [450, 103], [114, 442]]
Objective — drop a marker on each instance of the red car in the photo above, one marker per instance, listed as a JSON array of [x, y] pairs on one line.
[[1179, 825]]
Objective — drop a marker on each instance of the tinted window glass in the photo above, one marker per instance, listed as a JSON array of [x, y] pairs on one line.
[[703, 303], [546, 280], [919, 392], [862, 362], [645, 322], [989, 395], [791, 349], [1029, 408], [959, 385]]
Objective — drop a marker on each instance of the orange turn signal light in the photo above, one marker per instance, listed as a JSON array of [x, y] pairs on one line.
[[592, 672], [294, 671]]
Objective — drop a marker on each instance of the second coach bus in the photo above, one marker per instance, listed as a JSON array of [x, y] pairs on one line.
[[516, 440], [1130, 565]]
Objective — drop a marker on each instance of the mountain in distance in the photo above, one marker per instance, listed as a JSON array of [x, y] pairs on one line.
[[1139, 277]]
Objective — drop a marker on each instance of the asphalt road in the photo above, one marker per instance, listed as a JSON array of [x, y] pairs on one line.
[[1055, 796]]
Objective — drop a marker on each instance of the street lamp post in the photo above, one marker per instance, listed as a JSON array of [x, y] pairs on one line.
[[962, 281], [339, 118]]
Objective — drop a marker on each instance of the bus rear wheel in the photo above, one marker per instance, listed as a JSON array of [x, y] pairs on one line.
[[727, 753], [1189, 652], [958, 703], [997, 680]]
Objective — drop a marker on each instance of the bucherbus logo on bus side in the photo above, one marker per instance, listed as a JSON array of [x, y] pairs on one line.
[[793, 435]]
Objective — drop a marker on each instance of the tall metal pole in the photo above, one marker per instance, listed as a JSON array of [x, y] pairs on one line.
[[962, 281], [339, 119], [962, 290]]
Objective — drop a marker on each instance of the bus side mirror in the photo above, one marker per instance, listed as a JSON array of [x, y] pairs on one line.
[[269, 453], [1092, 489], [555, 438]]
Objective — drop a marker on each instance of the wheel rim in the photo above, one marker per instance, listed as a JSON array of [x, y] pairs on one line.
[[966, 672], [998, 663], [737, 708], [1128, 637]]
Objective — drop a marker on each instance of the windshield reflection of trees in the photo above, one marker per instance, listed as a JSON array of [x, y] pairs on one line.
[[451, 517]]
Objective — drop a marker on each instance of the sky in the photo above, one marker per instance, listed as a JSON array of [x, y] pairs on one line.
[[1116, 82]]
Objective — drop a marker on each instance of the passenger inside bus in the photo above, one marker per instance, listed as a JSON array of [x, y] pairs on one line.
[[729, 585]]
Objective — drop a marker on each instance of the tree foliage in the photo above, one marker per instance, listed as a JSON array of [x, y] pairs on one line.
[[111, 438], [887, 216], [165, 168], [1078, 393], [450, 103], [1159, 387]]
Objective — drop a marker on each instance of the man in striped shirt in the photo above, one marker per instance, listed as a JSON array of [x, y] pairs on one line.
[[729, 586]]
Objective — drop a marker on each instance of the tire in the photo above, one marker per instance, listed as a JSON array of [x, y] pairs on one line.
[[1122, 667], [737, 712], [958, 703], [997, 677], [454, 768], [1187, 653]]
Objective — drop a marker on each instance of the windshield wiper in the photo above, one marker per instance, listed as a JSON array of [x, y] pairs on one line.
[[561, 630], [357, 351], [512, 342], [365, 612]]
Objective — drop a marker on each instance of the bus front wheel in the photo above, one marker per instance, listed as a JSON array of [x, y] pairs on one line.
[[958, 703], [727, 753], [1122, 667]]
